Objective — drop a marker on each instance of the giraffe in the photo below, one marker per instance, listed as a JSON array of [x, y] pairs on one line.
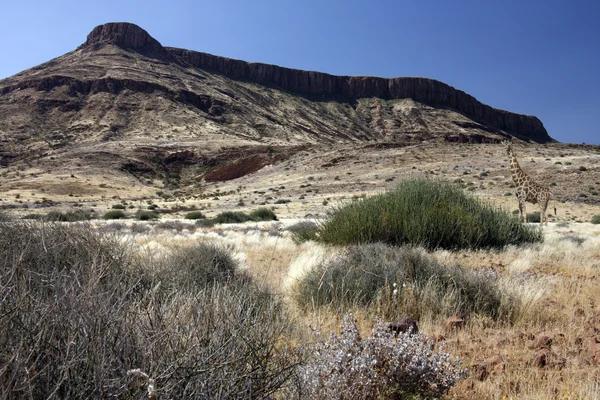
[[527, 189]]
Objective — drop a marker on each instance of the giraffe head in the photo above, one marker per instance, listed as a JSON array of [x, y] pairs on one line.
[[508, 145]]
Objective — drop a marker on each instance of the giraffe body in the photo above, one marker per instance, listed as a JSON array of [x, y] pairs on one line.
[[527, 189]]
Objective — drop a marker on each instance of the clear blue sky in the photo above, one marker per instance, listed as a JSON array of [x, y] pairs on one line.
[[539, 58]]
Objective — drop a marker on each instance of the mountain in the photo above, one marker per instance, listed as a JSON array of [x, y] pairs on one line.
[[124, 99]]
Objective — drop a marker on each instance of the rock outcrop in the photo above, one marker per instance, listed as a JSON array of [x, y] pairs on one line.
[[126, 36]]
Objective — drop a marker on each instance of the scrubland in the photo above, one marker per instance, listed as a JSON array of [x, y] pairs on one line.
[[172, 307]]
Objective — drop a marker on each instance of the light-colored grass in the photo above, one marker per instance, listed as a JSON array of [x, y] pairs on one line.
[[557, 282]]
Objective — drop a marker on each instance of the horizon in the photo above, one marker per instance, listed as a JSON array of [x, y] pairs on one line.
[[536, 59]]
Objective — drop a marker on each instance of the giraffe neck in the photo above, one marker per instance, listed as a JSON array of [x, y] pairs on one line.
[[515, 169]]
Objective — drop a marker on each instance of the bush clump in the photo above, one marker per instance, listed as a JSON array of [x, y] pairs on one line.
[[303, 231], [199, 266], [194, 215], [118, 206], [114, 214], [82, 319], [70, 216], [398, 281], [596, 219], [238, 217], [429, 213], [146, 215], [381, 366], [263, 214]]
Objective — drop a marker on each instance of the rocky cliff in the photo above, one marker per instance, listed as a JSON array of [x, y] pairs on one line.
[[322, 85]]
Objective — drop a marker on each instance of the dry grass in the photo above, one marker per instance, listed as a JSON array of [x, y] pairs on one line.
[[556, 280]]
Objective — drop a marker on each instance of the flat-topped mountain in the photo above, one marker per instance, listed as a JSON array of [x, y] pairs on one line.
[[122, 95]]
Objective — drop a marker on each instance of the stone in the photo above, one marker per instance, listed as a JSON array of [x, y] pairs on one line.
[[404, 324]]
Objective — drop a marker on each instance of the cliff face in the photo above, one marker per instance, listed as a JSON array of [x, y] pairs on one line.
[[428, 91]]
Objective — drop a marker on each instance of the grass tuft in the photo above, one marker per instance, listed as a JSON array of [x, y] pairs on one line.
[[399, 281]]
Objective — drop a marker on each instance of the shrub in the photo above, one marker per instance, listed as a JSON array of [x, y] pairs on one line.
[[57, 216], [230, 217], [263, 214], [206, 223], [172, 226], [79, 315], [33, 216], [596, 219], [199, 266], [303, 231], [146, 215], [399, 281], [114, 214], [118, 207], [194, 215], [428, 213], [534, 217], [282, 201], [381, 366]]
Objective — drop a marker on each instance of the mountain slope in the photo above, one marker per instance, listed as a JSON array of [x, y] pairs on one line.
[[122, 90]]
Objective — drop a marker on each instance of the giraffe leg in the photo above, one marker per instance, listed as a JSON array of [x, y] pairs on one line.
[[543, 208], [543, 218], [522, 213]]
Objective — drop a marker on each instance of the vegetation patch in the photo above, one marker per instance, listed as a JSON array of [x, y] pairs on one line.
[[402, 281], [146, 215], [303, 231], [429, 213], [194, 215], [114, 214], [238, 217], [381, 366], [83, 319]]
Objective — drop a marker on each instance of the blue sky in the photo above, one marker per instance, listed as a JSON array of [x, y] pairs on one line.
[[539, 58]]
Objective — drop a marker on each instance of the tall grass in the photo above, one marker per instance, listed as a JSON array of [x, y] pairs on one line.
[[77, 313], [396, 281], [429, 213]]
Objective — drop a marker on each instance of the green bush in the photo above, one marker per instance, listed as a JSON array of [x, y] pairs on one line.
[[194, 215], [206, 223], [118, 207], [263, 214], [596, 219], [231, 217], [70, 216], [114, 214], [399, 281], [429, 213], [146, 215]]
